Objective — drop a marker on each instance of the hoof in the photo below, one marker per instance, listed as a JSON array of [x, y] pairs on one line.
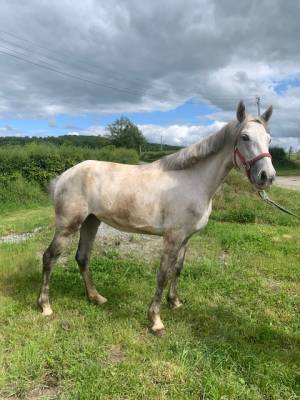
[[47, 311], [158, 328], [159, 332], [173, 304], [98, 299]]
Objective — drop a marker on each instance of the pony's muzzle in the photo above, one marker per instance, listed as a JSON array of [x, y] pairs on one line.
[[263, 174], [265, 179]]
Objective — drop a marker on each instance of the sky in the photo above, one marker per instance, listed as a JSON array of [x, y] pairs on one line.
[[177, 69]]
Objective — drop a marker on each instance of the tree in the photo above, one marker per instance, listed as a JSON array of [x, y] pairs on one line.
[[123, 133]]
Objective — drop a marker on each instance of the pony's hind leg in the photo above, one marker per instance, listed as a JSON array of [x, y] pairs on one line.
[[87, 236], [50, 256]]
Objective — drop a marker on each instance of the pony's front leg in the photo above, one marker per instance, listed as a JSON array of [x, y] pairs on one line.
[[172, 296], [171, 248]]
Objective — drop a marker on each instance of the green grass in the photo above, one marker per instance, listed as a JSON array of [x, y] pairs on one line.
[[237, 336], [16, 193], [26, 220]]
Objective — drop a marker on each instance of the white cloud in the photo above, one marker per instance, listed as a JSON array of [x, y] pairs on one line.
[[180, 135], [184, 134], [8, 130], [90, 131]]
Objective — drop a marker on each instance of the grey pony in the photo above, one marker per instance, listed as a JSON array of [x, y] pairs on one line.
[[171, 197]]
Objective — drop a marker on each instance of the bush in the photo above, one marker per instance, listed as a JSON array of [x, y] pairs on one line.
[[25, 171], [280, 159], [15, 191], [41, 162]]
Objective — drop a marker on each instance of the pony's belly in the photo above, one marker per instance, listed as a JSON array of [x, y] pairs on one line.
[[133, 226], [130, 213]]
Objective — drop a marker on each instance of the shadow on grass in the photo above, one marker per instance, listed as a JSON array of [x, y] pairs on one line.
[[122, 281], [114, 278]]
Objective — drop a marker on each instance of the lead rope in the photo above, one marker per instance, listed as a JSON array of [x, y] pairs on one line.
[[263, 195]]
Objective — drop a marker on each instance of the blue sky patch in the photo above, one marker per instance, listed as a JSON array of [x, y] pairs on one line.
[[282, 86]]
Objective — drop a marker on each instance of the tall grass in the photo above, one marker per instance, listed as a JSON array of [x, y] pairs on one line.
[[16, 192], [238, 201]]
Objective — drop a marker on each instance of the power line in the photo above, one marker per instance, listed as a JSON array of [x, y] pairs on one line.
[[46, 49], [220, 98], [227, 99], [70, 75], [22, 54], [58, 60]]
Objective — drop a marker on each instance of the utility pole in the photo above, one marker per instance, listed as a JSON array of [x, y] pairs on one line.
[[258, 105], [161, 143]]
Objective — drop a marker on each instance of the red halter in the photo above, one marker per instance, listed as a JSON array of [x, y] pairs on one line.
[[248, 163]]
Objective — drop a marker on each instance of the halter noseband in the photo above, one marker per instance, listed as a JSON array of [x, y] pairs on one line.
[[248, 163]]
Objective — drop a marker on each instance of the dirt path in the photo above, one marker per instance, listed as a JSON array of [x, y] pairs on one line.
[[128, 243], [289, 182]]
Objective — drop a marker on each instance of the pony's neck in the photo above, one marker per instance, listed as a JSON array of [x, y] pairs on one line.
[[214, 169]]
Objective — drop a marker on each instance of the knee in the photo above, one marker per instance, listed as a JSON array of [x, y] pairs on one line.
[[178, 269], [47, 258], [81, 259]]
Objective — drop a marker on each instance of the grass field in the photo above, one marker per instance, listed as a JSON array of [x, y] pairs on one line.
[[237, 336]]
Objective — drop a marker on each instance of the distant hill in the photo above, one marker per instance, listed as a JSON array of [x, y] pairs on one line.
[[92, 142]]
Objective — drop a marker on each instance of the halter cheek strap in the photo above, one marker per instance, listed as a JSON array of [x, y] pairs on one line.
[[247, 163]]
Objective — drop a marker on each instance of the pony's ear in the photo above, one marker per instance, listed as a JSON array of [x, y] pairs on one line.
[[241, 111], [267, 114]]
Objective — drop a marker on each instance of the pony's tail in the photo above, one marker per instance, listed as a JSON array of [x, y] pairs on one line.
[[51, 187]]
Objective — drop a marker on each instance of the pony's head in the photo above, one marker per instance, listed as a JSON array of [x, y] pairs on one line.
[[251, 151]]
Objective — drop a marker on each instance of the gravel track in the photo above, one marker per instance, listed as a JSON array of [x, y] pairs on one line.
[[288, 182], [127, 243]]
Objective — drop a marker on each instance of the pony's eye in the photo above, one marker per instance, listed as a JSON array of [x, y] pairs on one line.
[[245, 137]]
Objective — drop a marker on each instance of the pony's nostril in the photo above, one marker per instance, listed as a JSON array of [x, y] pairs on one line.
[[263, 176]]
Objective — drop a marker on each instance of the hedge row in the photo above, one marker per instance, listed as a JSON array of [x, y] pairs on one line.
[[41, 162]]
